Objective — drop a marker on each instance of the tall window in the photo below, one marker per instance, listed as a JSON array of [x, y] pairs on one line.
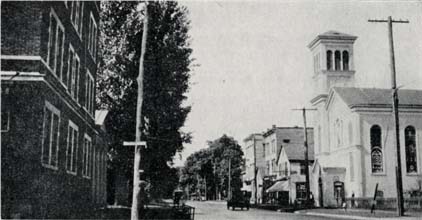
[[286, 169], [329, 60], [50, 140], [55, 45], [5, 117], [376, 149], [73, 73], [302, 169], [89, 92], [72, 148], [337, 60], [352, 167], [345, 60], [76, 15], [410, 144], [273, 146], [87, 157], [319, 149], [92, 37]]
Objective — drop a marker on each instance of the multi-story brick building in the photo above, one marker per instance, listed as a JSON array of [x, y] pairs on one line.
[[52, 166]]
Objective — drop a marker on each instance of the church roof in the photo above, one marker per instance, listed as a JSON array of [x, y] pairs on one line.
[[332, 35], [374, 97]]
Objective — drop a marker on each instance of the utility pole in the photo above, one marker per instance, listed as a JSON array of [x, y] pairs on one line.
[[399, 182], [229, 193], [305, 143], [138, 148], [255, 171]]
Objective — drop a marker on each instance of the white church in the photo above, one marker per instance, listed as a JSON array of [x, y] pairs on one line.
[[354, 129]]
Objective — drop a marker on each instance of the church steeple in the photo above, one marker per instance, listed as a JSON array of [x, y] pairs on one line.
[[333, 62]]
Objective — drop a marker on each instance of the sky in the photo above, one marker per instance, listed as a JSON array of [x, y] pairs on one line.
[[252, 63]]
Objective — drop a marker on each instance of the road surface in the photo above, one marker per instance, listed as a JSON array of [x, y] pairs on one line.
[[218, 210]]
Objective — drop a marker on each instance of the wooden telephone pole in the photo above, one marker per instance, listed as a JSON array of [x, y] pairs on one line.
[[136, 196], [305, 143], [399, 182]]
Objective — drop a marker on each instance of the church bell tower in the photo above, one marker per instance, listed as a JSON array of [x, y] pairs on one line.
[[333, 67], [333, 63]]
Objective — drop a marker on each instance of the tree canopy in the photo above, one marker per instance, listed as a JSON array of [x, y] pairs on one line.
[[212, 164], [166, 81]]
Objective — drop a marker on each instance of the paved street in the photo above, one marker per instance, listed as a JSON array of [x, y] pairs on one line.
[[217, 210]]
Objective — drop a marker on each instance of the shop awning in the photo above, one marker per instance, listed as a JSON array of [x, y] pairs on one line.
[[279, 186]]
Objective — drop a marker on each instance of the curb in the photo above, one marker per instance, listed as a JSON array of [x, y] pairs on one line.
[[348, 216]]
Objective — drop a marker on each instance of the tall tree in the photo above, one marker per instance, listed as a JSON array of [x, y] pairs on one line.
[[166, 81], [212, 163]]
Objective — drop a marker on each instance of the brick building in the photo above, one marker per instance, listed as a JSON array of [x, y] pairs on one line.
[[53, 161]]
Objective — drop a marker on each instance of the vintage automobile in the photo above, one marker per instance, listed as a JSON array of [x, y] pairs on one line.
[[239, 199]]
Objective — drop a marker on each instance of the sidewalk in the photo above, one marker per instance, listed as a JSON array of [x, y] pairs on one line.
[[359, 214]]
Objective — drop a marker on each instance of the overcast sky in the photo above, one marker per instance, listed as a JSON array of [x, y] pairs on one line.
[[254, 64]]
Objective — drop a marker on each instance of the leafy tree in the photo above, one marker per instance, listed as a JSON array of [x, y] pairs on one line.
[[212, 164], [166, 81]]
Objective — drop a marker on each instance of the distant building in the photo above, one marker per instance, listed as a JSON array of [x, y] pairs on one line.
[[53, 160], [254, 159], [354, 129], [288, 183]]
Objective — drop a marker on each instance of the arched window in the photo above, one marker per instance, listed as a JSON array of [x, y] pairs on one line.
[[350, 133], [345, 60], [337, 59], [410, 143], [376, 149], [329, 60]]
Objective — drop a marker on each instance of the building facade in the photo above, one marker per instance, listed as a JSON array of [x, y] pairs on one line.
[[254, 159], [289, 184], [355, 146], [52, 161]]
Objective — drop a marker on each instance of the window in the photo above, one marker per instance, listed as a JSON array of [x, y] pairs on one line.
[[273, 146], [55, 45], [337, 60], [300, 190], [263, 150], [76, 15], [5, 116], [302, 169], [286, 170], [72, 148], [92, 37], [345, 60], [89, 92], [410, 144], [319, 149], [50, 140], [376, 149], [329, 60], [73, 73], [87, 157], [350, 133], [352, 167]]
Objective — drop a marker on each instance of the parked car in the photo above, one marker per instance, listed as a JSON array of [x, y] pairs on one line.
[[238, 200]]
